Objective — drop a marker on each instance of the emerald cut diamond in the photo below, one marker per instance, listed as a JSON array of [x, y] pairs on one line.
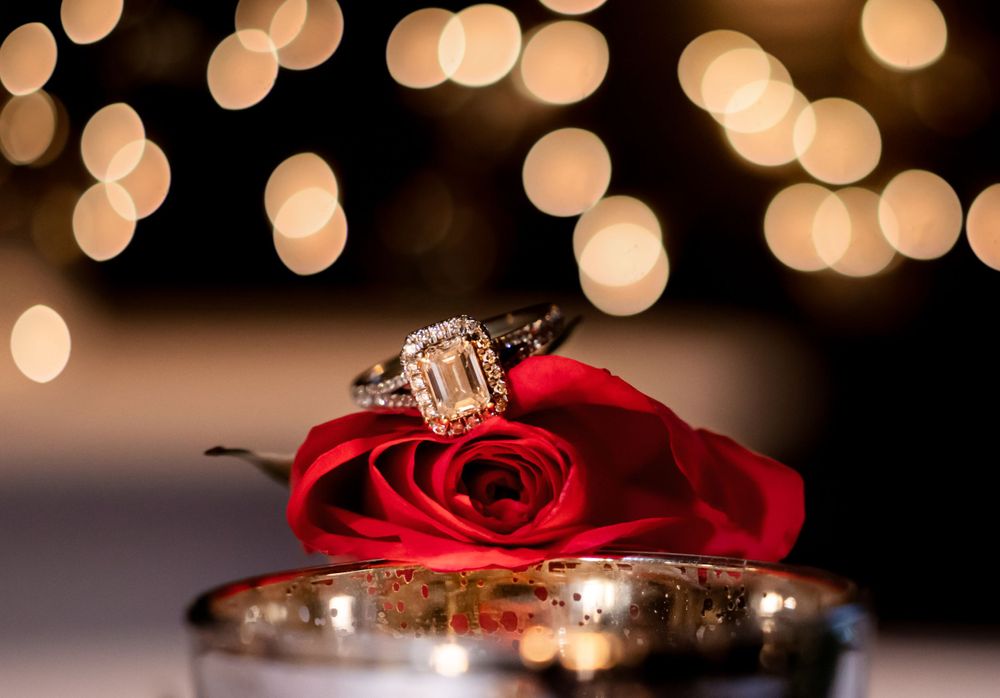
[[454, 375]]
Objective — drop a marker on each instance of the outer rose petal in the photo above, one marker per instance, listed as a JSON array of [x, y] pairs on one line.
[[380, 485]]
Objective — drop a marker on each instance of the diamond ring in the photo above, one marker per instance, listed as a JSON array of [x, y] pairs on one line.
[[454, 371]]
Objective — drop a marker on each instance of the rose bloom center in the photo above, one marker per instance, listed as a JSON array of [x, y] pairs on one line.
[[455, 377]]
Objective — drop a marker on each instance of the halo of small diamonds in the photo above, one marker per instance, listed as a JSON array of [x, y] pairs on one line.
[[472, 368]]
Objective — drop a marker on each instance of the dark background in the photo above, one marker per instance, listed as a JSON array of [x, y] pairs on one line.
[[901, 468]]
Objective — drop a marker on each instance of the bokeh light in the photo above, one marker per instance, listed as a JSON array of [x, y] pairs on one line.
[[773, 146], [27, 127], [572, 7], [755, 107], [108, 142], [789, 223], [412, 52], [564, 62], [87, 21], [701, 53], [305, 212], [983, 226], [620, 254], [27, 58], [868, 252], [40, 343], [611, 211], [307, 33], [586, 652], [735, 80], [301, 195], [831, 230], [837, 141], [448, 659], [904, 34], [100, 230], [920, 214], [242, 69], [491, 37], [566, 172], [538, 646], [148, 182], [314, 253], [630, 299]]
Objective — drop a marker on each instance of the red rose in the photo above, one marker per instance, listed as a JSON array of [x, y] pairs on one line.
[[580, 460]]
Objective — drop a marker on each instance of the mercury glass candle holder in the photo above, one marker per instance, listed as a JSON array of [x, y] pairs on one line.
[[623, 624]]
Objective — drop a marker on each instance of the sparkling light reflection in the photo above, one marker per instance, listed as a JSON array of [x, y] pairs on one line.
[[40, 343], [449, 659], [538, 646], [491, 37], [27, 58], [904, 34], [566, 172], [564, 62], [88, 21], [920, 214], [412, 52], [983, 226], [837, 141]]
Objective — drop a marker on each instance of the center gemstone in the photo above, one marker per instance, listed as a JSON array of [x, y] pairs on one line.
[[455, 377]]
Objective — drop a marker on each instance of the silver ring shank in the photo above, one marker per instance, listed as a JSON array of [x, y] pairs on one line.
[[516, 336]]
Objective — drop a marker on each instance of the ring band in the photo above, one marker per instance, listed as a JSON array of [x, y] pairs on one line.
[[454, 371]]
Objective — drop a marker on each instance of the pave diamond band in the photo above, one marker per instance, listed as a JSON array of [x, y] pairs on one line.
[[454, 371]]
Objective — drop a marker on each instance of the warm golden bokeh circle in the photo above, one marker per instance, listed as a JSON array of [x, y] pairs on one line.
[[831, 230], [242, 69], [774, 145], [868, 252], [491, 39], [756, 107], [412, 52], [837, 141], [564, 62], [572, 7], [110, 142], [610, 211], [304, 172], [100, 230], [789, 223], [983, 226], [566, 172], [920, 214], [312, 42], [904, 34], [40, 343], [314, 253], [630, 299], [620, 254], [735, 80], [701, 53], [88, 21], [27, 127], [148, 182], [27, 58]]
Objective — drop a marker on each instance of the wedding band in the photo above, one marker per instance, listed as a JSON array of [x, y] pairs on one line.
[[454, 371]]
